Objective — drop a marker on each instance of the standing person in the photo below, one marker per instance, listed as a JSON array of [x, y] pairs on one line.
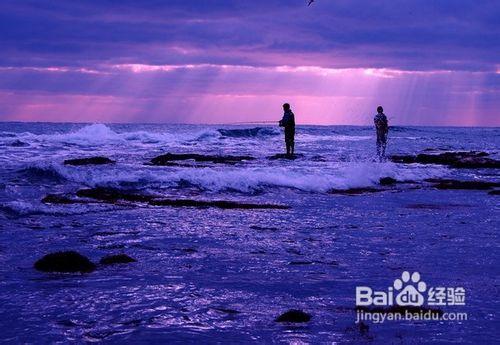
[[382, 128], [288, 122]]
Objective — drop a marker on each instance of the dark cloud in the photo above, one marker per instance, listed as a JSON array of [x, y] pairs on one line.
[[72, 57], [409, 34]]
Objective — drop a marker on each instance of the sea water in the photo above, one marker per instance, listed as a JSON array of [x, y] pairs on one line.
[[208, 275]]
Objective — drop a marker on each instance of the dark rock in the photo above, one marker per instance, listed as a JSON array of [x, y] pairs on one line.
[[167, 159], [442, 206], [112, 195], [68, 262], [494, 192], [214, 203], [58, 199], [469, 185], [460, 159], [387, 181], [189, 250], [116, 259], [18, 143], [89, 161], [285, 156], [227, 311], [354, 191], [300, 263], [295, 316]]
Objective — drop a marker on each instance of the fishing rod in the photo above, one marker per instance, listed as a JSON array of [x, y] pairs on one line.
[[248, 122]]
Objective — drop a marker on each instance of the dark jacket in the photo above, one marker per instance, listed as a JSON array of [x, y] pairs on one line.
[[381, 123], [288, 120]]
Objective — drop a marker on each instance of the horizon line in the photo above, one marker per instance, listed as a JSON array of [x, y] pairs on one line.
[[239, 124]]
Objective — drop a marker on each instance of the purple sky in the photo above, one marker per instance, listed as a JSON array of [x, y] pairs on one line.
[[207, 61]]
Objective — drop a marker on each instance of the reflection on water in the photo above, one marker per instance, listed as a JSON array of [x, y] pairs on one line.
[[207, 275]]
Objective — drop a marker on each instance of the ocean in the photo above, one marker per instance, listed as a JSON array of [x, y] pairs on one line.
[[214, 274]]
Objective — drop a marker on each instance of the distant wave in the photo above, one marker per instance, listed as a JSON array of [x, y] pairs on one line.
[[99, 134], [20, 208], [8, 135], [249, 132]]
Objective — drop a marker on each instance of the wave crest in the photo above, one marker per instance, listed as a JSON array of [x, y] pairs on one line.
[[248, 132]]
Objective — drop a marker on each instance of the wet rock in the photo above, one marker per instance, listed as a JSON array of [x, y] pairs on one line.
[[65, 262], [460, 159], [494, 192], [387, 181], [295, 316], [18, 143], [285, 156], [468, 185], [227, 311], [116, 259], [355, 191], [300, 263], [169, 158], [59, 200], [112, 195], [89, 161], [189, 250], [214, 203]]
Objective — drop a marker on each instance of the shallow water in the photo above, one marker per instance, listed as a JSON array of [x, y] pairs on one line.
[[210, 275]]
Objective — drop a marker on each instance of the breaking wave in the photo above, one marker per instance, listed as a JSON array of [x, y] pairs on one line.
[[247, 180], [249, 132], [100, 134]]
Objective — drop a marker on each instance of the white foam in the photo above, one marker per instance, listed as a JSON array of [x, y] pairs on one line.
[[99, 134], [91, 135], [249, 179]]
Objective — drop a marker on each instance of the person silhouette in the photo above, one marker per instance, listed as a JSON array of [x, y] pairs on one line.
[[382, 129], [288, 122]]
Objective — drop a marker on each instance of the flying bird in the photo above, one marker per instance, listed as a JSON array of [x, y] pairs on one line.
[[310, 2]]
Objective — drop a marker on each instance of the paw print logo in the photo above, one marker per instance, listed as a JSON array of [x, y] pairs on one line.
[[410, 289]]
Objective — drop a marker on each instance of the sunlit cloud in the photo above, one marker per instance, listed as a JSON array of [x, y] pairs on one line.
[[216, 62]]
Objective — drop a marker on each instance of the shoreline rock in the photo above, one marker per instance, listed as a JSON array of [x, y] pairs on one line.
[[98, 160], [285, 156], [355, 191], [455, 159], [116, 259], [464, 185], [65, 262], [224, 204], [169, 159], [18, 143], [294, 316], [59, 199], [112, 195], [387, 181]]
